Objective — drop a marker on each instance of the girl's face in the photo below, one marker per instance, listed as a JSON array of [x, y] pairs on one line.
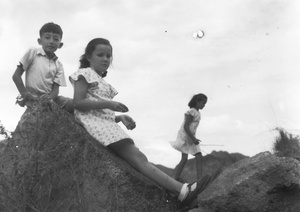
[[201, 104], [100, 58]]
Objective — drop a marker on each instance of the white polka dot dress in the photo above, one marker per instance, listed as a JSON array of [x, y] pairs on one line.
[[184, 143], [99, 123]]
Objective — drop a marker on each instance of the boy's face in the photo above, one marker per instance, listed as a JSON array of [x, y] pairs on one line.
[[50, 42]]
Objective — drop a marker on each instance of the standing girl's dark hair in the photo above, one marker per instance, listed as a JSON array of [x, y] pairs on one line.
[[83, 62], [197, 98]]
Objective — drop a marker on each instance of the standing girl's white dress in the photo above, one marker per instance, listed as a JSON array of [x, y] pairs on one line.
[[183, 142], [99, 123]]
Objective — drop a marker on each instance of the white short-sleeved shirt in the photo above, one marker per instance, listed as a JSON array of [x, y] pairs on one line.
[[184, 143], [41, 72], [99, 123]]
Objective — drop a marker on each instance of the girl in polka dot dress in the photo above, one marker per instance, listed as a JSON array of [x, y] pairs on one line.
[[95, 110]]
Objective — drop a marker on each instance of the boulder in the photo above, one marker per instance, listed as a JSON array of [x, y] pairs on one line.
[[52, 164], [264, 182], [211, 163]]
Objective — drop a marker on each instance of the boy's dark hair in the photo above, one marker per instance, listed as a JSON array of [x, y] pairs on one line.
[[197, 98], [51, 27]]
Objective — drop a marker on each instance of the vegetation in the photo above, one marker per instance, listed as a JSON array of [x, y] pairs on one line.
[[4, 132], [286, 144]]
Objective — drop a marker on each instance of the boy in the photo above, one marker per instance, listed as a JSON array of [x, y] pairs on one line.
[[44, 72]]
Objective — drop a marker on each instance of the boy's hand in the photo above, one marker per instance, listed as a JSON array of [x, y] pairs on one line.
[[128, 122], [45, 98], [26, 99]]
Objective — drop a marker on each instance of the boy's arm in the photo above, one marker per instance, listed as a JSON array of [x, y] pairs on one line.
[[24, 63], [25, 95], [55, 90], [17, 78]]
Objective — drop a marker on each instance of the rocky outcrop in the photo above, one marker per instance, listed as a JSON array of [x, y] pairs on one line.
[[212, 162], [261, 183], [53, 164]]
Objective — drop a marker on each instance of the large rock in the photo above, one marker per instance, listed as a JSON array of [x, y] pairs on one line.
[[53, 164], [261, 183], [216, 160]]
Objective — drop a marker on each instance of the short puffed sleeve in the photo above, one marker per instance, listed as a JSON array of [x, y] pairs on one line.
[[113, 92], [193, 112], [98, 86], [88, 74]]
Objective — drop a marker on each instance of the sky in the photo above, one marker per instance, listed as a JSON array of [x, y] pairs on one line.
[[247, 64]]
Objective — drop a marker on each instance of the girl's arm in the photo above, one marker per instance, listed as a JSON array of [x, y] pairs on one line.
[[126, 120], [188, 121], [83, 104]]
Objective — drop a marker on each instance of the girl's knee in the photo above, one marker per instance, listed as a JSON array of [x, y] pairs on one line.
[[129, 152], [140, 157], [138, 161]]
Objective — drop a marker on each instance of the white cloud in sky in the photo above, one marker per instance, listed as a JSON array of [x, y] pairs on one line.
[[247, 64]]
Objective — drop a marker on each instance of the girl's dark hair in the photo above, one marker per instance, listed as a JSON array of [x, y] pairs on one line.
[[51, 27], [197, 98], [84, 63]]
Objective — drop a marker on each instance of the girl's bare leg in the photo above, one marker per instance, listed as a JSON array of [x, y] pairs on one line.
[[181, 165], [130, 153], [199, 165]]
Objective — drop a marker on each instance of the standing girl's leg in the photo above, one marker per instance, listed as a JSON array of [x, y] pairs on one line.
[[130, 153], [199, 165], [180, 166]]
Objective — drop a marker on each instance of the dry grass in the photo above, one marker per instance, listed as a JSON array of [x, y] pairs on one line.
[[286, 144]]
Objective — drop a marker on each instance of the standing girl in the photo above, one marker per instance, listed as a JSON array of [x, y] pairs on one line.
[[95, 110], [186, 141]]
